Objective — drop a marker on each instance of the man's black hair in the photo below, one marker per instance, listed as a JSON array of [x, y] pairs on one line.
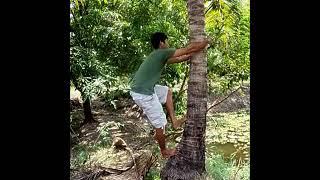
[[156, 38]]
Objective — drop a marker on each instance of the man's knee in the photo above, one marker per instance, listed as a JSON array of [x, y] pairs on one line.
[[169, 92], [158, 132]]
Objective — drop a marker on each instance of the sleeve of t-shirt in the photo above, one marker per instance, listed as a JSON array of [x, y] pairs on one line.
[[168, 52]]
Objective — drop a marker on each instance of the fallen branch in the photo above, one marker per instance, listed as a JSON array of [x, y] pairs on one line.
[[215, 104], [103, 171], [144, 161]]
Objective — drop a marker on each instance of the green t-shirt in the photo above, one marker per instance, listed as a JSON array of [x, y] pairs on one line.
[[150, 70]]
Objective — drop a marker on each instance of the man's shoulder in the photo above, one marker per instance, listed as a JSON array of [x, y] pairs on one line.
[[164, 52], [167, 49]]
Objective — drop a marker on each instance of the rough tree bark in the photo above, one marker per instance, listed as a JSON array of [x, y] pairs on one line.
[[189, 163]]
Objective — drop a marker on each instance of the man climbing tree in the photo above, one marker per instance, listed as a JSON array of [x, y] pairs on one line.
[[149, 96]]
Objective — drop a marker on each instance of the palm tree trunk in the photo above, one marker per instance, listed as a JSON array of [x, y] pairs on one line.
[[189, 163]]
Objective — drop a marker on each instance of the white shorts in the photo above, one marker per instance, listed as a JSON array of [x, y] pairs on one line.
[[151, 105]]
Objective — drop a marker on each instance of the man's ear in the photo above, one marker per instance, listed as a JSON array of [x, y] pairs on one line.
[[161, 44]]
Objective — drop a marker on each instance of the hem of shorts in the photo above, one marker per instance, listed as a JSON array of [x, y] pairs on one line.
[[160, 126], [166, 96]]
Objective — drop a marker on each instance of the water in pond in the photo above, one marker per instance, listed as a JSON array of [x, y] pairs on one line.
[[239, 151]]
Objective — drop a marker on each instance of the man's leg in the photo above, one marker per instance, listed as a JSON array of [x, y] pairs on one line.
[[152, 107], [169, 106], [160, 137]]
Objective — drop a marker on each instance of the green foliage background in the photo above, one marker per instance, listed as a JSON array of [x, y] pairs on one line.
[[110, 38]]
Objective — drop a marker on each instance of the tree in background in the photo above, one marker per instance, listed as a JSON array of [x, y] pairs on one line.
[[90, 36], [109, 39], [228, 22]]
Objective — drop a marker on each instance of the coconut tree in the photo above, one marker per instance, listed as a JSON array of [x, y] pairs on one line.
[[189, 163]]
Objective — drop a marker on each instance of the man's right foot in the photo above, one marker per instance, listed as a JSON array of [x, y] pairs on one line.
[[178, 123], [166, 153]]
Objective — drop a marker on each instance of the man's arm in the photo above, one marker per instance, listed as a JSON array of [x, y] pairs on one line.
[[179, 59], [191, 48]]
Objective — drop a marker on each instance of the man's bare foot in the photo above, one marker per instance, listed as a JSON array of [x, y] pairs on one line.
[[166, 153], [178, 123]]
